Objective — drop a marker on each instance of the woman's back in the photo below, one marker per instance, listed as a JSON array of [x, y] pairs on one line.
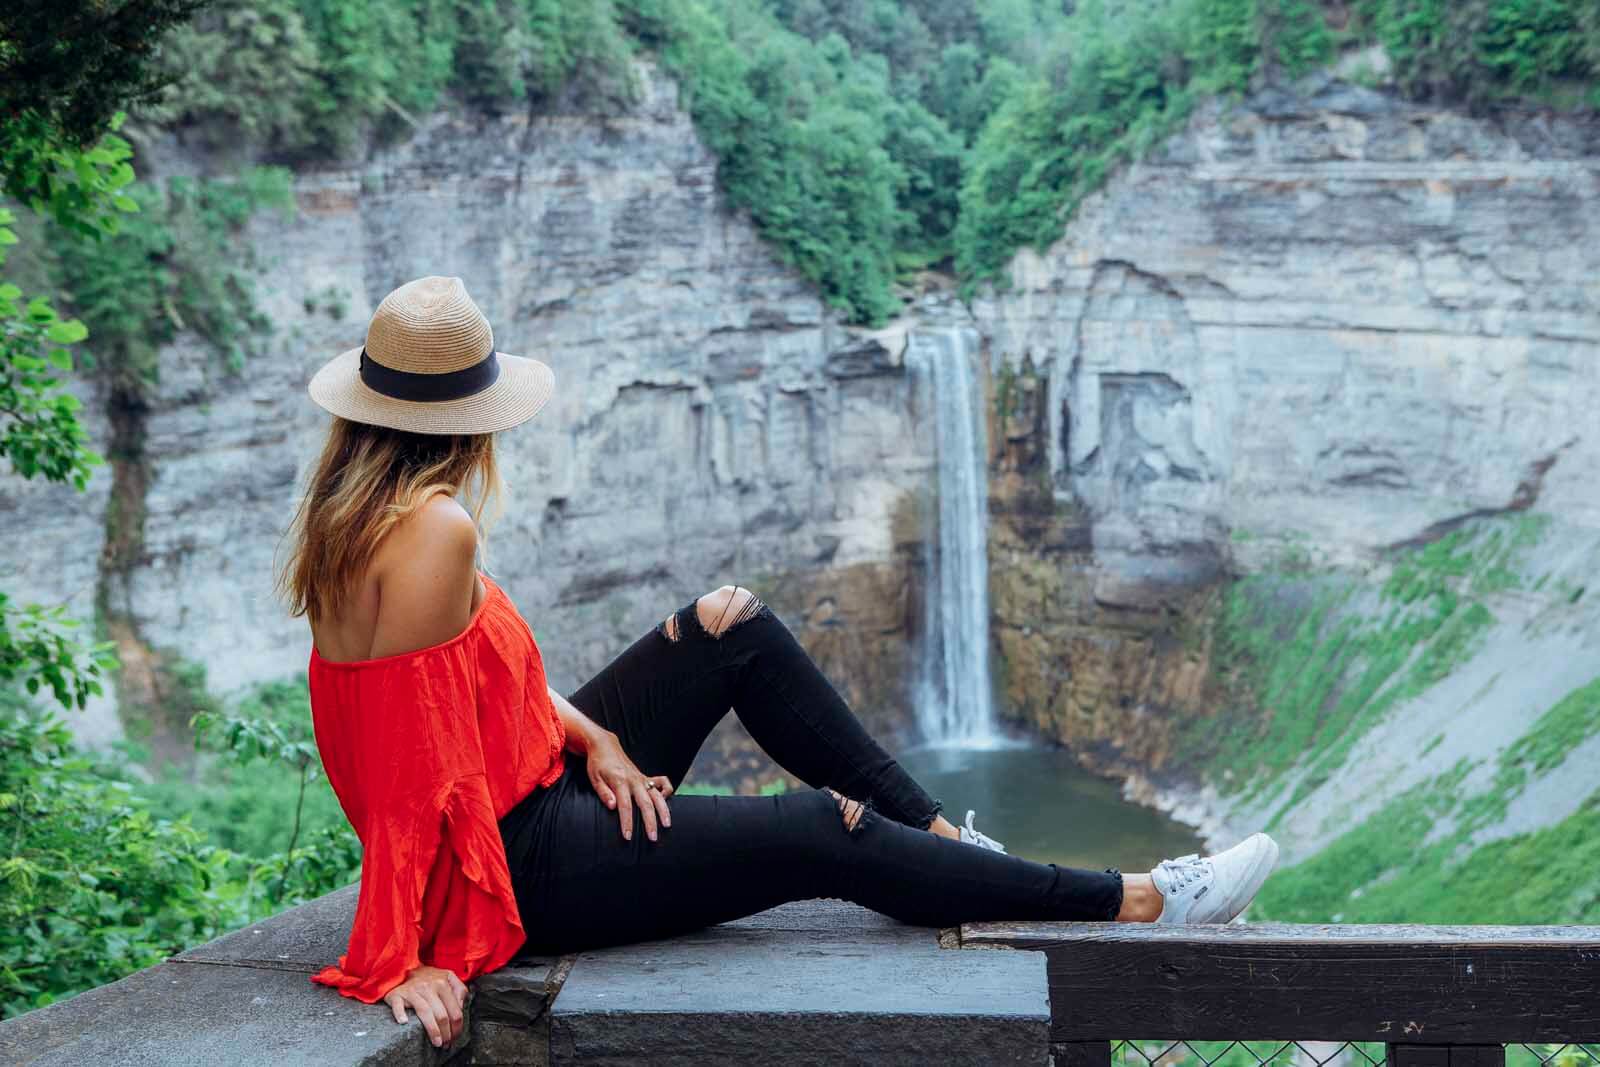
[[419, 589], [428, 742]]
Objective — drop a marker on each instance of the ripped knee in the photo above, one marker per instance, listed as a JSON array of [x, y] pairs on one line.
[[725, 608], [717, 612], [850, 811]]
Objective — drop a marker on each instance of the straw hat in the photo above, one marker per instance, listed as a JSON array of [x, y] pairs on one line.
[[429, 366]]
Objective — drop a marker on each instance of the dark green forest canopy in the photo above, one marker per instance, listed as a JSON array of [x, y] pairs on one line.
[[867, 138]]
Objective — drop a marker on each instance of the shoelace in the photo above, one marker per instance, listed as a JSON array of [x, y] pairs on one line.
[[1183, 870], [981, 838]]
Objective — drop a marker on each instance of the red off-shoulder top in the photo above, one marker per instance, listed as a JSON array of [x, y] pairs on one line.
[[426, 751]]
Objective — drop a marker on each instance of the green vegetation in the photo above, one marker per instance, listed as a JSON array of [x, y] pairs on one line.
[[1414, 859], [813, 141], [94, 883], [1480, 51], [867, 138], [306, 78], [1318, 660], [1244, 1054], [1573, 720], [1563, 728], [1130, 73], [104, 875], [179, 263], [68, 66], [59, 156], [1289, 1054], [1125, 77], [720, 789], [95, 887]]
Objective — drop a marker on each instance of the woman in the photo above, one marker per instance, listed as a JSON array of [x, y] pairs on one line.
[[498, 815]]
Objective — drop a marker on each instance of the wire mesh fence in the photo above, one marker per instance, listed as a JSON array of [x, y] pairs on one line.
[[1317, 1054], [1553, 1055], [1248, 1054]]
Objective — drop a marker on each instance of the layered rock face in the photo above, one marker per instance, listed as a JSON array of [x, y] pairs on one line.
[[710, 424], [1308, 327]]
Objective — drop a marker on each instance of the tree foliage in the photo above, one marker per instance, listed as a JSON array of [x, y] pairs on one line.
[[1479, 51], [1124, 80], [74, 64], [92, 884], [313, 78], [95, 884], [179, 264], [867, 138], [40, 432]]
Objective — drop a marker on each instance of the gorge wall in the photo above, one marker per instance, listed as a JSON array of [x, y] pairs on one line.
[[1310, 327], [1313, 328], [710, 423]]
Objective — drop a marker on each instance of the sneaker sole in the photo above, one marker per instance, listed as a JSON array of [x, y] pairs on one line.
[[1258, 876]]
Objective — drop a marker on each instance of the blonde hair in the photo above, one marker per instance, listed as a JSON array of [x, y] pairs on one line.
[[367, 479]]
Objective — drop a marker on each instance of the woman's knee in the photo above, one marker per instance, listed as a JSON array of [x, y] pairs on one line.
[[726, 607], [719, 611], [850, 811]]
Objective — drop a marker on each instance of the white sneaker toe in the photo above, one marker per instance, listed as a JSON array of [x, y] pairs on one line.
[[1214, 889], [973, 836], [1241, 871]]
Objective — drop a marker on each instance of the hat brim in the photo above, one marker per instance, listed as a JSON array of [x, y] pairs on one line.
[[521, 389]]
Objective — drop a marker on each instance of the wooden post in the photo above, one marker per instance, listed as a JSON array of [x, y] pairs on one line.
[[1080, 1054], [1466, 990], [1446, 1056]]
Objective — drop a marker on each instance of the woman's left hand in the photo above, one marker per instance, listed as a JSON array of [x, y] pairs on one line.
[[622, 786]]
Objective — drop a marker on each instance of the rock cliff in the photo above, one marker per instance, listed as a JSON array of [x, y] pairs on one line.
[[711, 424], [1312, 326]]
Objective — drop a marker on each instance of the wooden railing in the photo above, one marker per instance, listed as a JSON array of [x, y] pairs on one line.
[[1432, 996], [1138, 994]]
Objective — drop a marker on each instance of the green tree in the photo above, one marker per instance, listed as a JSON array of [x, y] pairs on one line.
[[1479, 51], [242, 67], [1122, 80], [92, 885], [68, 66]]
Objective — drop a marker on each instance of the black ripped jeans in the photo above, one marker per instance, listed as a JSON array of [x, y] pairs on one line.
[[580, 884]]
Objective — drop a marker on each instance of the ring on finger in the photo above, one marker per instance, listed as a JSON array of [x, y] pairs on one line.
[[650, 784]]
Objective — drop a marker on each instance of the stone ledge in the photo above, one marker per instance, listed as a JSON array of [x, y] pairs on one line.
[[247, 998], [182, 1013], [814, 982]]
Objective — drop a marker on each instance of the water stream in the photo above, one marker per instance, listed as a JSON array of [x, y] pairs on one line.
[[954, 698], [1035, 799], [1042, 806]]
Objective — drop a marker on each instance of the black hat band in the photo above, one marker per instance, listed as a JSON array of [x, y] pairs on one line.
[[411, 385]]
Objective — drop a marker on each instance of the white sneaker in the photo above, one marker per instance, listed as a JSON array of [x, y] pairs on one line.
[[1216, 888], [973, 837]]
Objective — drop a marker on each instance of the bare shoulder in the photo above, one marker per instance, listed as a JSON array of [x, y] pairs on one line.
[[440, 522], [428, 578]]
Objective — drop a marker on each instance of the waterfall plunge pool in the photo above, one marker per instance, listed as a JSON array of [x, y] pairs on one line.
[[1036, 800], [1042, 806]]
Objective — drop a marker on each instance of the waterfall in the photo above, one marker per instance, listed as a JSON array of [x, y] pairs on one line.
[[955, 706]]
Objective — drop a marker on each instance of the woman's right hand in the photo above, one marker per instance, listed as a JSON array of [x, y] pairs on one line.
[[436, 995], [622, 787]]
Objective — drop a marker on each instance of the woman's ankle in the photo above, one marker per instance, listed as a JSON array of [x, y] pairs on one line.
[[1141, 900], [940, 827]]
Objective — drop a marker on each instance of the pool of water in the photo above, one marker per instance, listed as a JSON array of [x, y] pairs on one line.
[[1043, 806]]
